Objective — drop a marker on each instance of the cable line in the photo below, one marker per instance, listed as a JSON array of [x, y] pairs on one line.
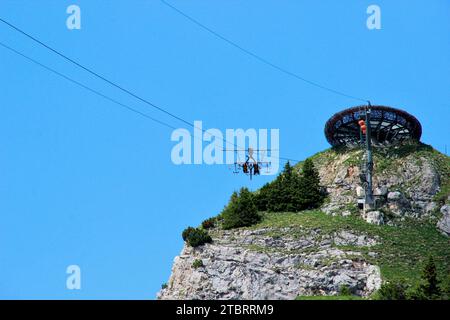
[[103, 79], [86, 87], [96, 92], [259, 58], [95, 73]]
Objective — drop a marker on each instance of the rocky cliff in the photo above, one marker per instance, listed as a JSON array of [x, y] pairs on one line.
[[252, 264], [410, 180], [318, 252]]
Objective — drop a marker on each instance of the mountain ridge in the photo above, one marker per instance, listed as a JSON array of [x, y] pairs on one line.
[[318, 252]]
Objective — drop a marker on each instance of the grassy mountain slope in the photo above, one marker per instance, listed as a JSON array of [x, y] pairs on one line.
[[402, 250], [302, 253]]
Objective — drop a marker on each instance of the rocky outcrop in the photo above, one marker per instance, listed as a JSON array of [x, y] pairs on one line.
[[404, 186], [374, 217], [256, 264], [282, 263], [444, 223]]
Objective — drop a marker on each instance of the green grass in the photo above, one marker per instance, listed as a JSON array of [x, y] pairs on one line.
[[329, 298], [403, 249], [401, 253]]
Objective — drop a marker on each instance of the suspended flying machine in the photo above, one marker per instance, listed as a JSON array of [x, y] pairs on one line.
[[250, 166]]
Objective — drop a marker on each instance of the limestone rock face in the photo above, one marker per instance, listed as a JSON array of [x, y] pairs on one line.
[[404, 185], [380, 191], [374, 217], [444, 222], [252, 264], [394, 196]]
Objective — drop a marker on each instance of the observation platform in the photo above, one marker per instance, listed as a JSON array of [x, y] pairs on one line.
[[388, 126]]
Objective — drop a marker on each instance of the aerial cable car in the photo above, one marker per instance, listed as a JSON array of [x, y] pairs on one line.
[[250, 166]]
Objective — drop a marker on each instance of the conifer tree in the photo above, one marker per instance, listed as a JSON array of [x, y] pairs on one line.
[[263, 197], [241, 211], [290, 191], [309, 186], [429, 287]]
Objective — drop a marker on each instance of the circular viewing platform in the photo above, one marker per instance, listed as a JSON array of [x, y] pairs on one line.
[[388, 125]]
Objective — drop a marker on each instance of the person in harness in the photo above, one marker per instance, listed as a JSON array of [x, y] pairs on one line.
[[245, 167], [256, 169]]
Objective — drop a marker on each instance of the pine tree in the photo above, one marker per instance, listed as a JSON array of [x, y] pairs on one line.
[[231, 206], [263, 197], [309, 186], [241, 211], [284, 191], [196, 237], [290, 191], [429, 288]]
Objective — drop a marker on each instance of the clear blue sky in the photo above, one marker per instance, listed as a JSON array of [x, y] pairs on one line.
[[85, 182]]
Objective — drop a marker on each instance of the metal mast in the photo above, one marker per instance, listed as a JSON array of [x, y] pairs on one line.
[[366, 168], [369, 158]]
